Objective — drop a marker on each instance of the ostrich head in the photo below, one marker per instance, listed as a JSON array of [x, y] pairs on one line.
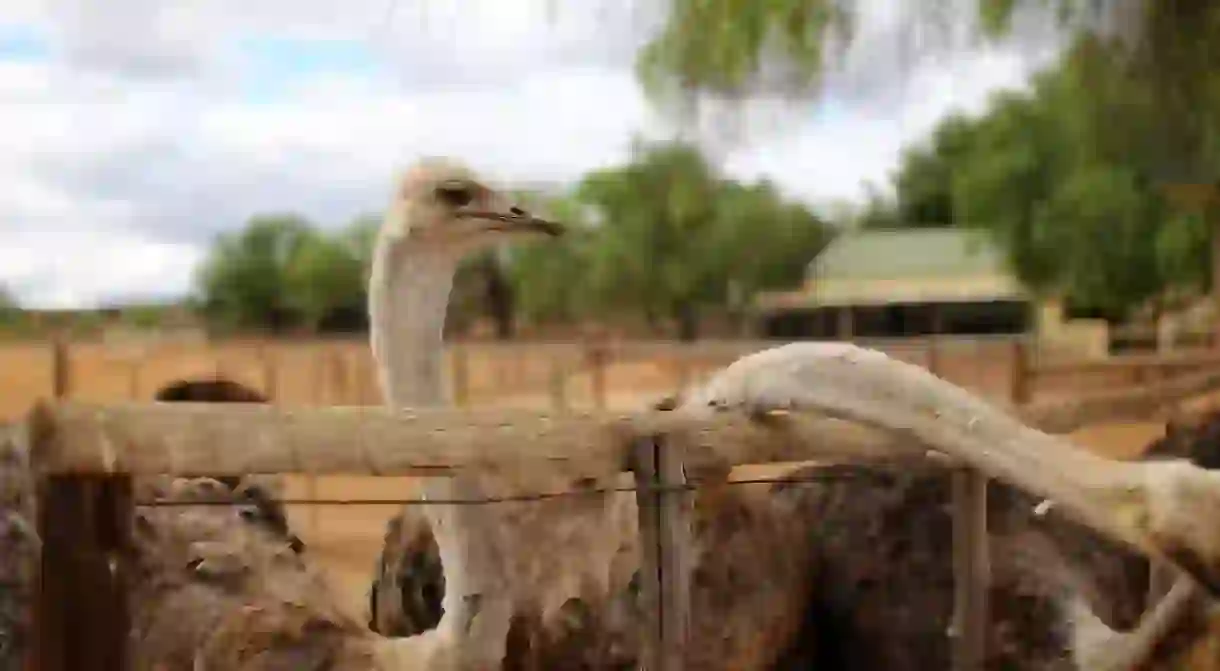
[[439, 213], [440, 206]]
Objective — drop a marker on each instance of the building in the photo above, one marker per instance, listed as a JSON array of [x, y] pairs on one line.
[[916, 282]]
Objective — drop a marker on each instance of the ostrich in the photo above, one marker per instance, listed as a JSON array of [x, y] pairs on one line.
[[259, 492], [503, 560]]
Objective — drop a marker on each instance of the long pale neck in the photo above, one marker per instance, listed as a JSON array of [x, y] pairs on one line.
[[408, 294]]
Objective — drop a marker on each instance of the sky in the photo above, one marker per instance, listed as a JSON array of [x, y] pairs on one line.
[[132, 132]]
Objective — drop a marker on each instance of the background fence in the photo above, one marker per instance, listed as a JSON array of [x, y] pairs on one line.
[[617, 375]]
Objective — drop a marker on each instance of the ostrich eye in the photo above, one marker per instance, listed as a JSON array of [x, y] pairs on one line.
[[454, 195]]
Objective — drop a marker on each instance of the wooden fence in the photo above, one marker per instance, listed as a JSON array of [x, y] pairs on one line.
[[86, 456], [523, 375]]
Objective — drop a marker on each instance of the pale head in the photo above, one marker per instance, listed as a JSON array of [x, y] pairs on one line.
[[442, 204]]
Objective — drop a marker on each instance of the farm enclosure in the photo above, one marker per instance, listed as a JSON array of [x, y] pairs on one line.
[[936, 356], [625, 376]]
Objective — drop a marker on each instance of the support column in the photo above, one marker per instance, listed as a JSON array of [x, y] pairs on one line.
[[844, 327]]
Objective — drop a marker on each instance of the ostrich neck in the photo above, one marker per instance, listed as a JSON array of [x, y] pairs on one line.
[[408, 295]]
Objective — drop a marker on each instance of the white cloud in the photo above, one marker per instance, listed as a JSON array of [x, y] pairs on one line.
[[64, 269], [144, 135]]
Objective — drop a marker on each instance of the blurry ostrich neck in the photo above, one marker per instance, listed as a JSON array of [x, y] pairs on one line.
[[408, 293]]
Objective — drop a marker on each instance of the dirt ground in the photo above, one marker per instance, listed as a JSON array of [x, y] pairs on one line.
[[347, 539]]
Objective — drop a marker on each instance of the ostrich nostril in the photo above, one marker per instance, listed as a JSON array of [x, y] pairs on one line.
[[517, 211]]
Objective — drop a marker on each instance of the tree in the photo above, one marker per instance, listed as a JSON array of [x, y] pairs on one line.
[[654, 251], [1061, 190], [325, 282], [551, 278], [1159, 52], [664, 236], [244, 282], [8, 301]]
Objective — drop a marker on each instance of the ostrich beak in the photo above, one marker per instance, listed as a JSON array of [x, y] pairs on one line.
[[530, 223], [515, 220], [497, 211]]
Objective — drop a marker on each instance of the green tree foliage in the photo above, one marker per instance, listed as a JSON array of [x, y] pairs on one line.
[[324, 278], [668, 237], [722, 46], [1061, 185], [664, 236], [245, 282], [1068, 178], [12, 319], [551, 277]]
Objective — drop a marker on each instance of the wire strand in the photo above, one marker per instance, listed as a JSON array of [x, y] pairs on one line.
[[829, 474]]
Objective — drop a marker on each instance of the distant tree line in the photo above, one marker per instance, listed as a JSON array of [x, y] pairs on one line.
[[664, 238]]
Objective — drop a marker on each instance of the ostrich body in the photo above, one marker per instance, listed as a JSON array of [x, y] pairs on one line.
[[498, 560]]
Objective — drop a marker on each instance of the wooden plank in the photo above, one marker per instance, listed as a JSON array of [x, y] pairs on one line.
[[1068, 414], [664, 523], [460, 371], [237, 439], [81, 613], [1130, 362], [19, 556], [598, 357], [61, 369], [647, 477], [270, 372], [231, 439], [559, 385], [932, 355], [971, 570], [674, 537], [1021, 374]]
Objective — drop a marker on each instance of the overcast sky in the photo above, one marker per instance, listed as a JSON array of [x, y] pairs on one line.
[[133, 131]]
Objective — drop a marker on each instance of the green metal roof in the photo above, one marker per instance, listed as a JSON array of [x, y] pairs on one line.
[[894, 254]]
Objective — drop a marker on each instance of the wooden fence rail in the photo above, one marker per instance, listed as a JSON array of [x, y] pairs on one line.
[[588, 375], [594, 375]]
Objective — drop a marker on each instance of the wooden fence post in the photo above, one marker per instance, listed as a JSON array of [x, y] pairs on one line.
[[61, 369], [598, 354], [1021, 373], [270, 373], [684, 372], [971, 570], [133, 380], [338, 378], [81, 614], [461, 377], [559, 384], [664, 525], [932, 356]]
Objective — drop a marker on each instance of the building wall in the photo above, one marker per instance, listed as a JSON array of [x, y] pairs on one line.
[[1070, 338], [913, 289]]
